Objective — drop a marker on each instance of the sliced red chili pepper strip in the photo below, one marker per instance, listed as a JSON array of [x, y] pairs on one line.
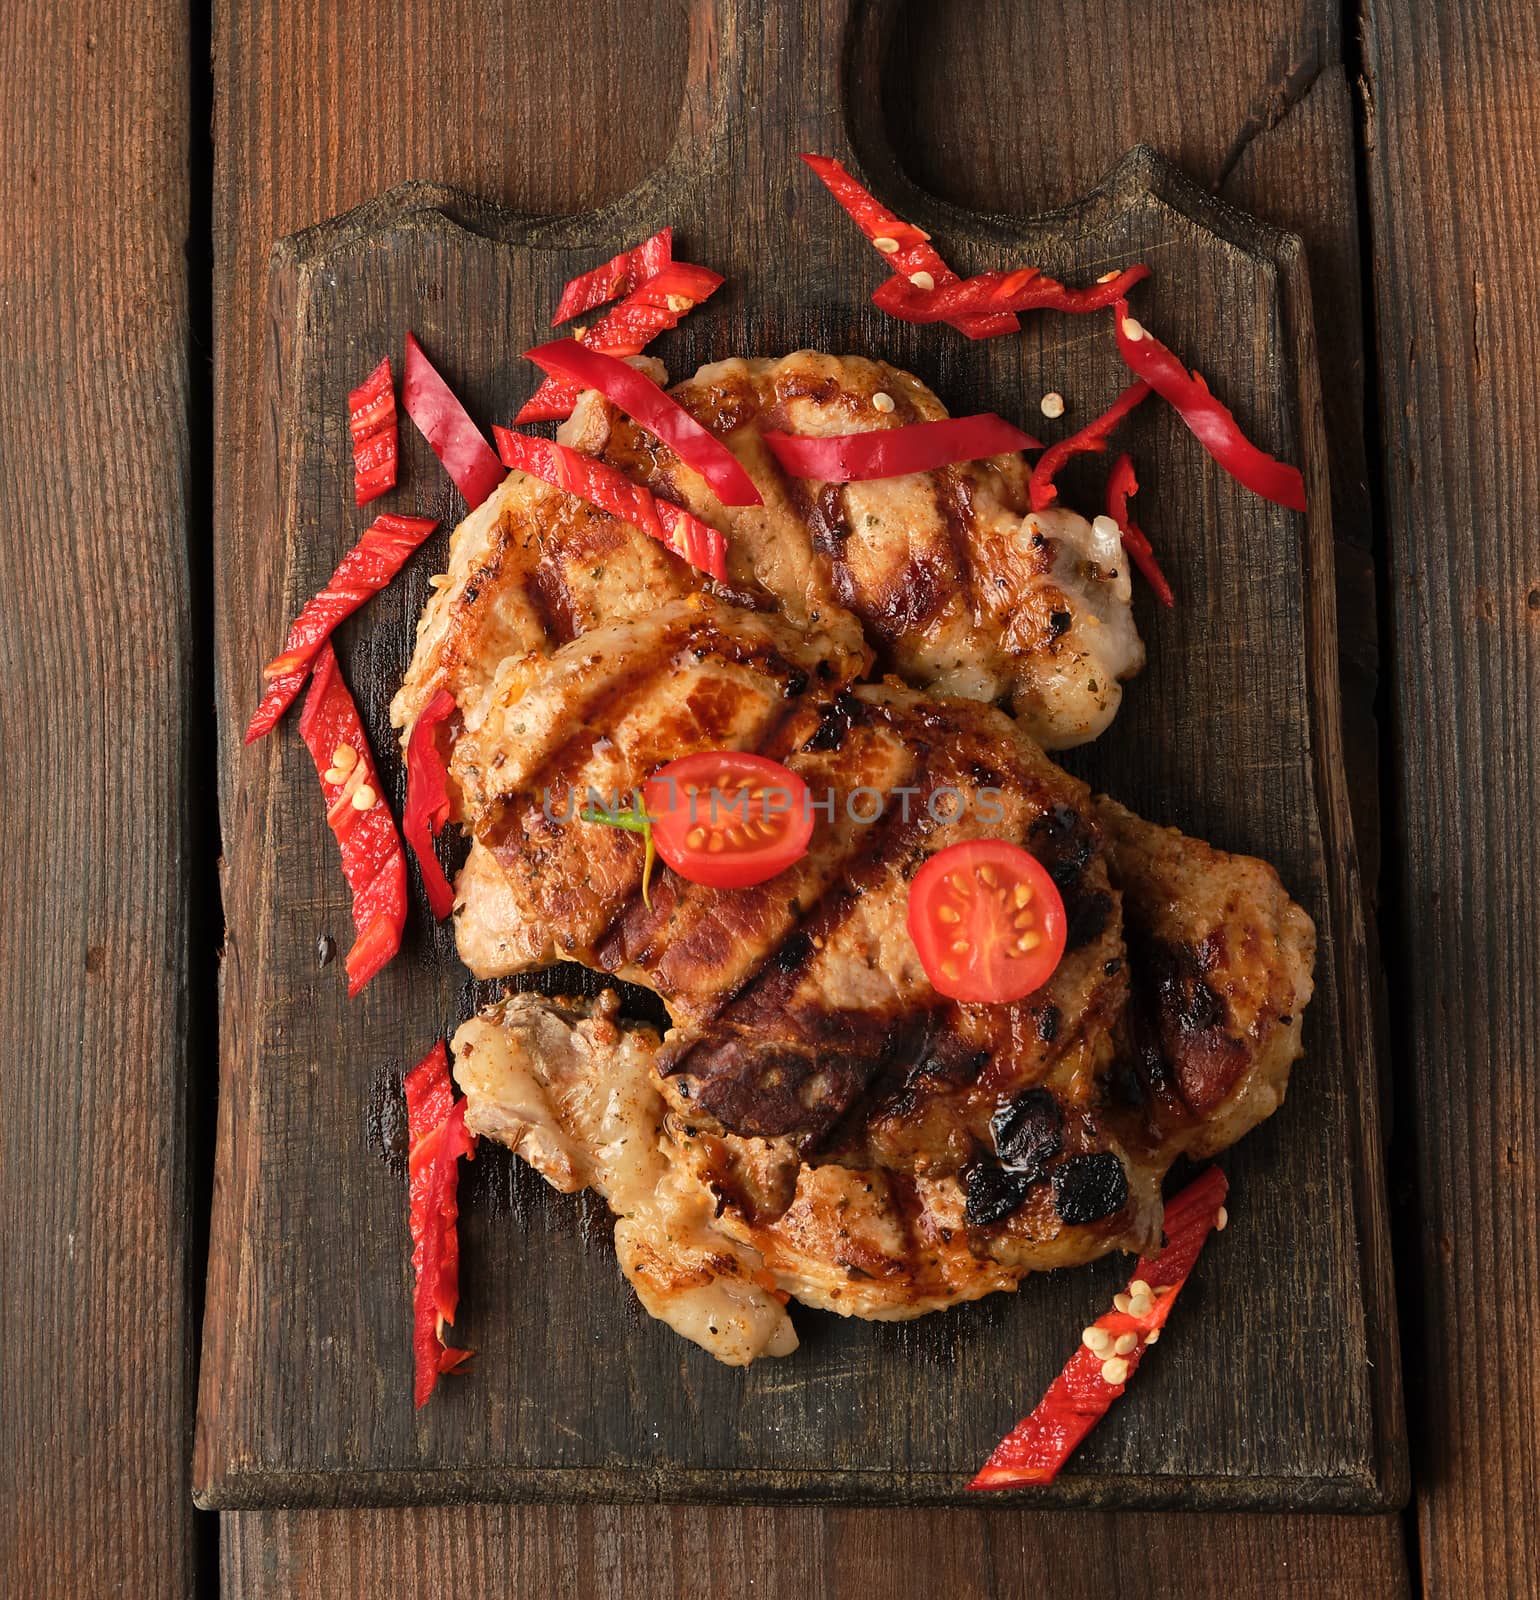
[[661, 303], [627, 329], [1212, 423], [595, 481], [906, 248], [447, 427], [372, 405], [430, 1103], [279, 695], [380, 553], [1091, 438], [611, 490], [551, 402], [891, 452], [1018, 289], [429, 1095], [655, 409], [427, 800], [372, 858], [364, 571], [621, 274], [374, 467], [372, 423], [1121, 483], [1080, 1396], [437, 1139], [379, 913]]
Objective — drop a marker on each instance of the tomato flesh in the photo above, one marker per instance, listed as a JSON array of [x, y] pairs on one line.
[[728, 819], [987, 921]]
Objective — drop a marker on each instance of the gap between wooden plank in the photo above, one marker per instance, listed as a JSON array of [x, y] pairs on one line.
[[206, 925], [1400, 1154]]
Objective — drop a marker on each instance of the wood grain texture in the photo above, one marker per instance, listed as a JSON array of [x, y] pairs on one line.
[[622, 1552], [1454, 106], [508, 131], [95, 1383], [278, 171]]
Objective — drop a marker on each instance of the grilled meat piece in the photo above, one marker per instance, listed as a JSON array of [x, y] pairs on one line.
[[529, 569], [800, 1005], [1222, 962], [957, 585], [1218, 972], [818, 1121], [945, 574], [838, 1114], [588, 725], [714, 1230], [575, 1096]]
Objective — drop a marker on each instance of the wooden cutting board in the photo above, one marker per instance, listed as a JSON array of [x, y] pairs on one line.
[[1278, 1383]]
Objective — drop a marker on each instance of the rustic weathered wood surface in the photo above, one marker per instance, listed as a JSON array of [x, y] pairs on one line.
[[96, 725], [624, 1552], [1232, 732], [321, 106], [1454, 115]]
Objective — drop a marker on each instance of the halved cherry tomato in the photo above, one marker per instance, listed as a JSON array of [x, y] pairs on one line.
[[728, 819], [987, 921]]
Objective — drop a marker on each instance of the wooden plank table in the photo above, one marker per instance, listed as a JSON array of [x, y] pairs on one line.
[[318, 106], [99, 726], [1454, 111]]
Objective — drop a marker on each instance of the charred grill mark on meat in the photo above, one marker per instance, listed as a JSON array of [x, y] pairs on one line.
[[1087, 1188], [1029, 1131]]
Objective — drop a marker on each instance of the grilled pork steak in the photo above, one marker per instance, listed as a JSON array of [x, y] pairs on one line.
[[819, 1121], [945, 575], [801, 1001], [816, 1099], [716, 1224]]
